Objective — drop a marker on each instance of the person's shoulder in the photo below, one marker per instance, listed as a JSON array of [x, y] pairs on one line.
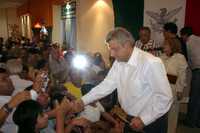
[[179, 55], [149, 60], [180, 59], [163, 56], [138, 41], [194, 38], [148, 57], [138, 44]]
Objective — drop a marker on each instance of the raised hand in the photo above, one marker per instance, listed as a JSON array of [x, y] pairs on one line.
[[64, 107], [137, 124], [77, 106], [18, 98]]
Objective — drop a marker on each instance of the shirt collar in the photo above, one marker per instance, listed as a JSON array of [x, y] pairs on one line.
[[14, 76], [133, 60], [190, 38]]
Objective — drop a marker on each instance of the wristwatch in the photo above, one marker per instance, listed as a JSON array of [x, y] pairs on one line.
[[6, 108]]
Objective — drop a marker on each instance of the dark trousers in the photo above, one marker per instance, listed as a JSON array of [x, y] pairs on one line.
[[159, 126], [193, 115]]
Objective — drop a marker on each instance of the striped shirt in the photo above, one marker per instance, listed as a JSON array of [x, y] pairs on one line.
[[150, 47]]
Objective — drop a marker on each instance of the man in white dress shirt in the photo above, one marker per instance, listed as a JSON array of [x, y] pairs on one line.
[[142, 85]]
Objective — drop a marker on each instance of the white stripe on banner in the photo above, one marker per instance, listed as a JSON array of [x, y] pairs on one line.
[[158, 12]]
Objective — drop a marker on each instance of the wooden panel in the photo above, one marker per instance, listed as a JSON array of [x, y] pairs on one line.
[[39, 10]]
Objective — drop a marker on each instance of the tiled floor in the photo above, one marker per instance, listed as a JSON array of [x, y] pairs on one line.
[[184, 129]]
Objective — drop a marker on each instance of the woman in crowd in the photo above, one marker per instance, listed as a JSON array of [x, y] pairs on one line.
[[29, 117], [176, 66]]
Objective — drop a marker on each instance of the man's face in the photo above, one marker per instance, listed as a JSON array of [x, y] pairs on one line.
[[43, 99], [167, 48], [166, 34], [184, 37], [118, 51], [144, 36]]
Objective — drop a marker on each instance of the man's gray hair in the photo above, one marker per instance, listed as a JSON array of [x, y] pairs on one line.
[[121, 35]]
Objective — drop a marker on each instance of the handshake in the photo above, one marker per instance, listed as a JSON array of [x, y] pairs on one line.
[[71, 107]]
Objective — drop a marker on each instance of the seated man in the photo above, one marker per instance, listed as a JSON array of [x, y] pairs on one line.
[[146, 43]]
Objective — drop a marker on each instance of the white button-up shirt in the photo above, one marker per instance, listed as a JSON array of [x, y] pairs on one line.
[[142, 86]]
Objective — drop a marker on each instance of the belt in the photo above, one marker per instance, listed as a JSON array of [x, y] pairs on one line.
[[196, 69]]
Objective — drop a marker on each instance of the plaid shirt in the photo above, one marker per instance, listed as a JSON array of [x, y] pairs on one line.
[[150, 47]]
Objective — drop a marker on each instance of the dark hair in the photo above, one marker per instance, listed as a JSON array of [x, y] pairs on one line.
[[2, 70], [146, 29], [56, 97], [186, 31], [41, 64], [25, 116], [170, 27], [1, 39]]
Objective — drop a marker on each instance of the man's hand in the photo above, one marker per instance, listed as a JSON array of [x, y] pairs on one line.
[[77, 106], [118, 128], [137, 124], [18, 98], [64, 107]]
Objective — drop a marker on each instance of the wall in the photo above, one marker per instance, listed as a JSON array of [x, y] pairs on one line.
[[8, 16], [94, 20], [155, 6], [39, 10], [3, 24]]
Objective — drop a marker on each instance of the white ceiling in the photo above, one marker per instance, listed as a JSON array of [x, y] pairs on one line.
[[11, 3]]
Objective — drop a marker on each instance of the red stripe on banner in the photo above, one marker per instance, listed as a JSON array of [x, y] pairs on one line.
[[192, 15]]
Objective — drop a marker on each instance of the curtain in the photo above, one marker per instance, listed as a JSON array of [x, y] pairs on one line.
[[129, 14], [192, 15]]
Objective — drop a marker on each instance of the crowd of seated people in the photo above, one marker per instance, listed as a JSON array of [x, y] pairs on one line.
[[38, 81], [38, 84]]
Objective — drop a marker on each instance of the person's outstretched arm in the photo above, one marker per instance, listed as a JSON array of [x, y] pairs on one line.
[[14, 102]]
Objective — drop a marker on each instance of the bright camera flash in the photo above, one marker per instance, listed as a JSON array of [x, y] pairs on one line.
[[80, 62]]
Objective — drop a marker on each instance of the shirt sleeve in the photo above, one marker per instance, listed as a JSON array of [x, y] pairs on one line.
[[107, 86], [100, 107], [162, 98]]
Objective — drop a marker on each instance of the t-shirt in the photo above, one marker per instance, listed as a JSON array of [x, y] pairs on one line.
[[72, 89], [92, 113]]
